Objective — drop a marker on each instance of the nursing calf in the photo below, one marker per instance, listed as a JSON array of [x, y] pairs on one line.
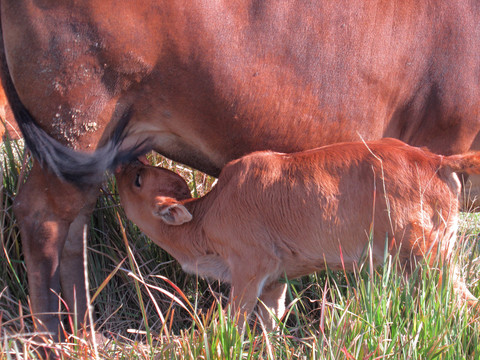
[[274, 214]]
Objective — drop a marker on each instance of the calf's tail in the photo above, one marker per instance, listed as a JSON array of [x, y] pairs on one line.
[[464, 163]]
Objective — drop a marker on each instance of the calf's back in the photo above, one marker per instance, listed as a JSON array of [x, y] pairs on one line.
[[308, 208]]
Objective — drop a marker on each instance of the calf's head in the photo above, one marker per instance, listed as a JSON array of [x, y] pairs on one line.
[[148, 193]]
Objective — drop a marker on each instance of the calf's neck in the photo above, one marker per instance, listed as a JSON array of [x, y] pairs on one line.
[[274, 214]]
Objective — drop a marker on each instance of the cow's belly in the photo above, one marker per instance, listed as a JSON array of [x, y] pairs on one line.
[[183, 147]]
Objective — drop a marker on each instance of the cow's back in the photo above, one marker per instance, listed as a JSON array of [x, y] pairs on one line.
[[215, 81]]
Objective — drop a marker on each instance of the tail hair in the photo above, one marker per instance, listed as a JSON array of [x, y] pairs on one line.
[[467, 163]]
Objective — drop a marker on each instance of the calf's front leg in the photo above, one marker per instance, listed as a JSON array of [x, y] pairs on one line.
[[272, 303], [243, 295], [248, 282]]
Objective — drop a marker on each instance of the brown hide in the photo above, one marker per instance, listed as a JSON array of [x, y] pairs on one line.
[[274, 214], [210, 81]]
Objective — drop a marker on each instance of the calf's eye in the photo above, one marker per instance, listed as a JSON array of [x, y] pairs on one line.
[[138, 181]]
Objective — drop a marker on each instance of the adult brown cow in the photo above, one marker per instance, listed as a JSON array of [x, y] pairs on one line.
[[209, 81]]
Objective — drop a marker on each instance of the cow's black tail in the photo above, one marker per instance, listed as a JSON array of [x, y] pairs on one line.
[[77, 167]]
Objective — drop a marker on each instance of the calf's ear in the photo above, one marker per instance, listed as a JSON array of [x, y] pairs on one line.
[[174, 214]]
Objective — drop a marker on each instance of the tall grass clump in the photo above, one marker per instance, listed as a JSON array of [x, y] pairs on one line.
[[146, 307]]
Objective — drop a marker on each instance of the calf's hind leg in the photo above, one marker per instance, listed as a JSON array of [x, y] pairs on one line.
[[45, 208]]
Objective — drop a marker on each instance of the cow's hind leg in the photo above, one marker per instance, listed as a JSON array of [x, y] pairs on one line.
[[46, 208], [72, 274]]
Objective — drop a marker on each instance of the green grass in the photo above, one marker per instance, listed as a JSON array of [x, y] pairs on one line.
[[148, 308]]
